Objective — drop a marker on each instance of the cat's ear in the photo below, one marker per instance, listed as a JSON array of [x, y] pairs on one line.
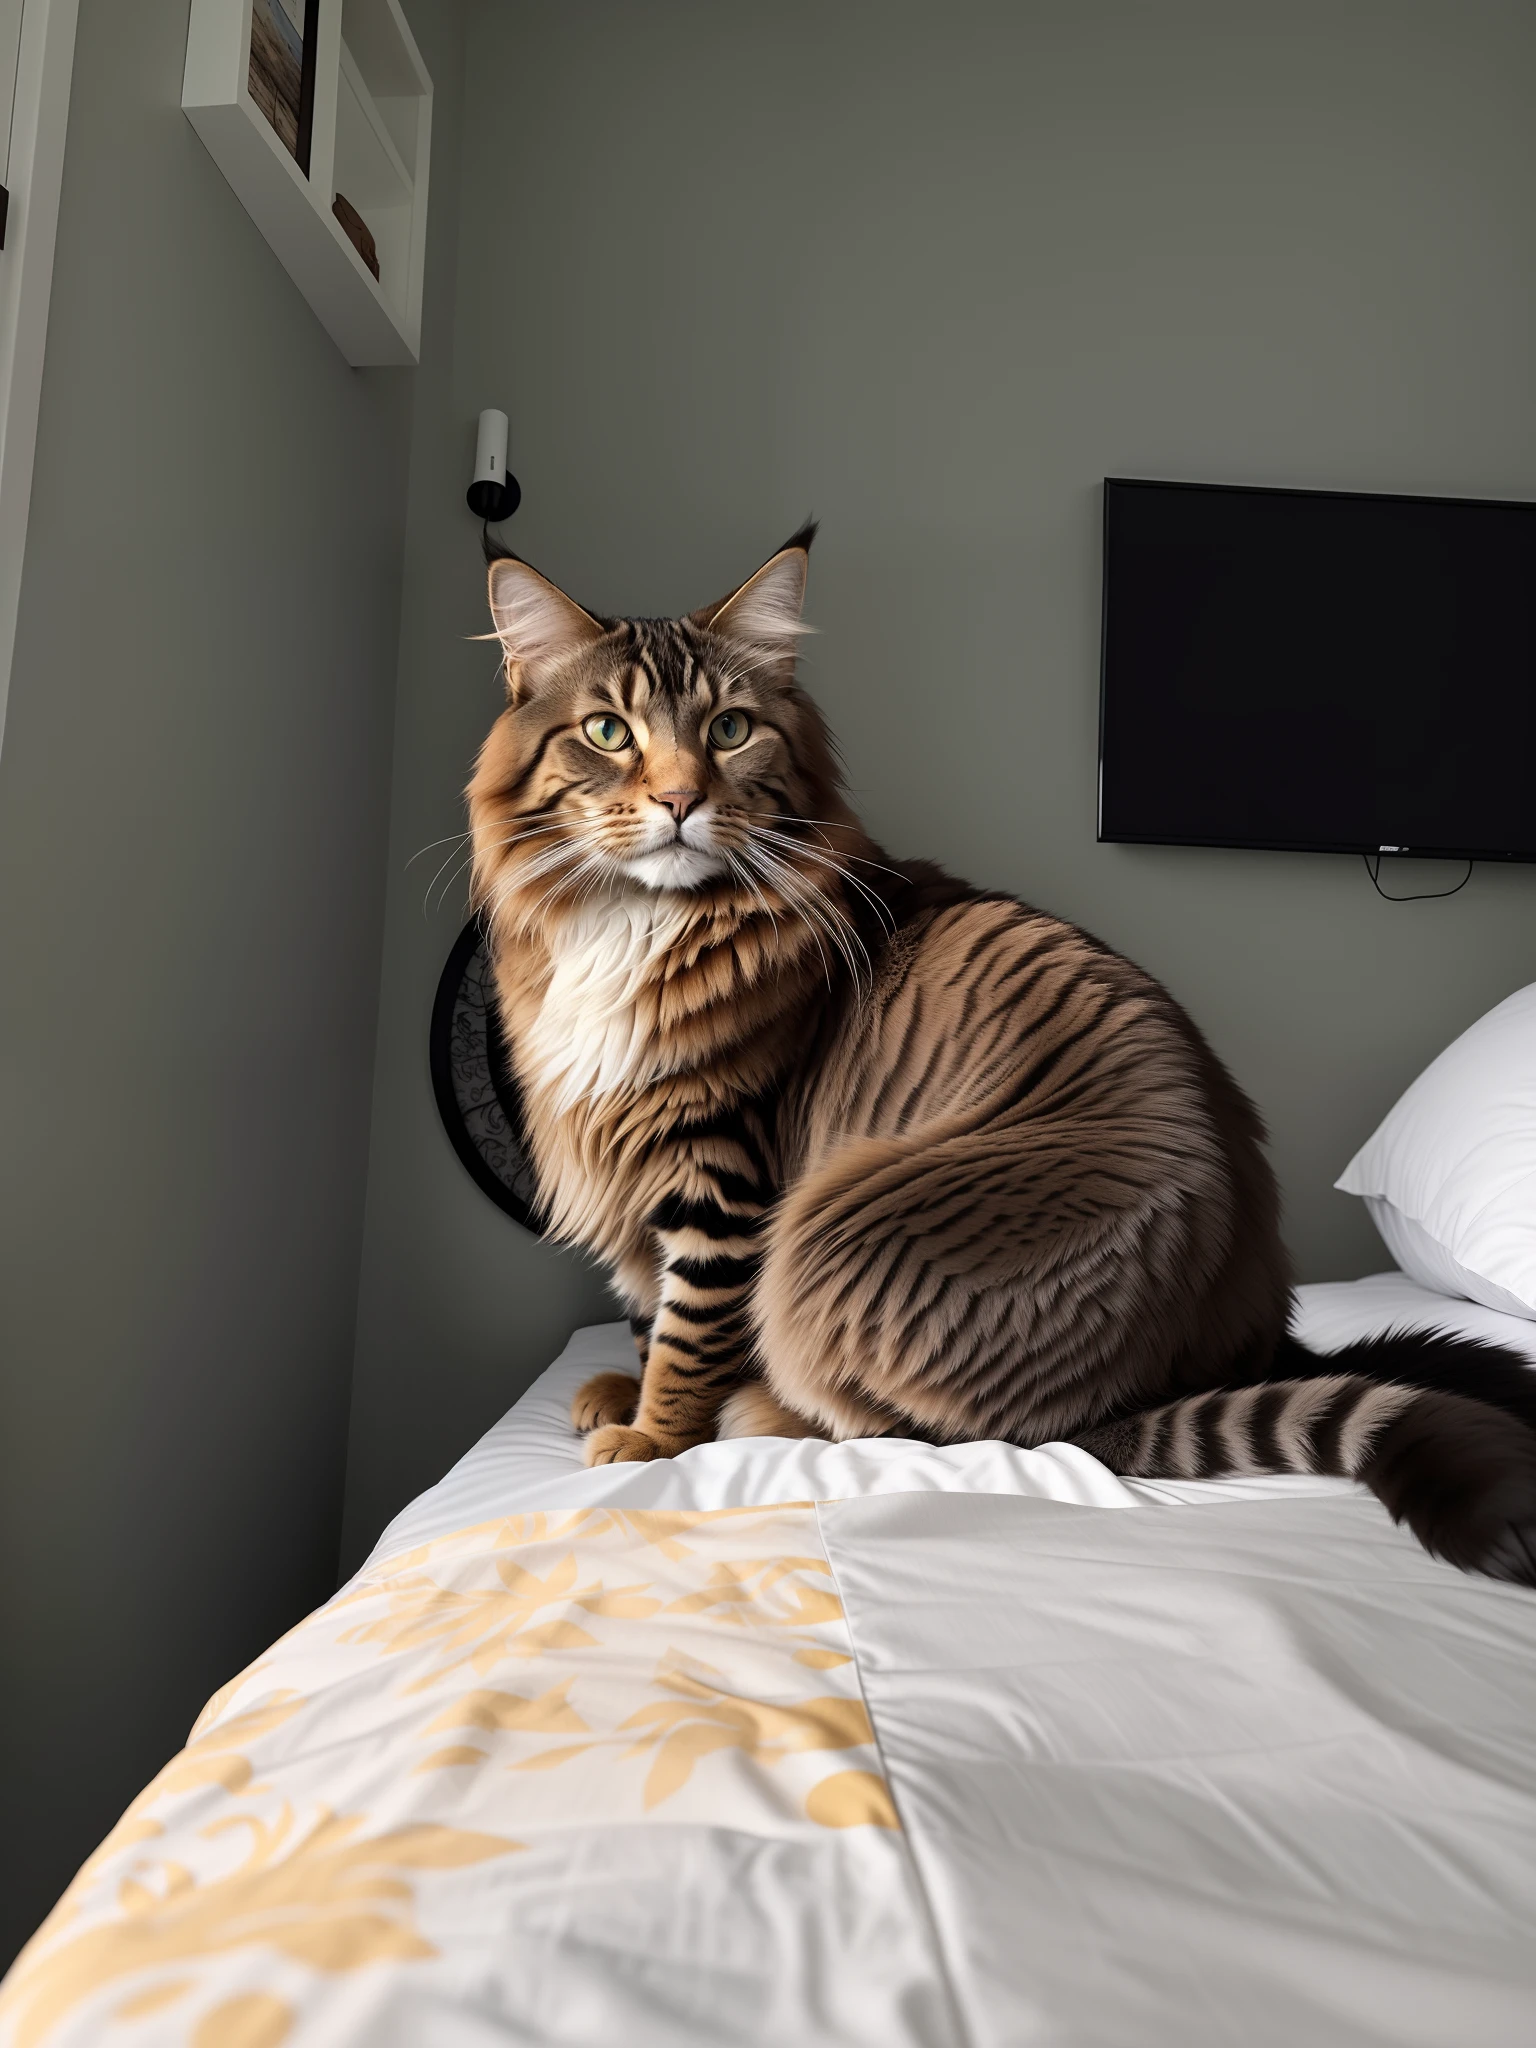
[[763, 616], [538, 626]]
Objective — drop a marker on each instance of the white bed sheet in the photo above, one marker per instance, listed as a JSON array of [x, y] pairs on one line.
[[925, 1770], [531, 1458], [1258, 1777], [951, 1758]]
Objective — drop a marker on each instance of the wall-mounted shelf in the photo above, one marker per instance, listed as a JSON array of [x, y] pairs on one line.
[[369, 140]]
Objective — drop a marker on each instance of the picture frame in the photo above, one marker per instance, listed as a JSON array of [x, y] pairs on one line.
[[285, 38]]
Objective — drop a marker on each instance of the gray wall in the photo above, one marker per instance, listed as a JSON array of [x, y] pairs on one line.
[[193, 814], [932, 273]]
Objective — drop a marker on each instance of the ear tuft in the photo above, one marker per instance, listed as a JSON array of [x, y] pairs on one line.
[[536, 623], [763, 616]]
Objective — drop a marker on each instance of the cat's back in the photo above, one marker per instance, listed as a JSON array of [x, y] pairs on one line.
[[982, 1004]]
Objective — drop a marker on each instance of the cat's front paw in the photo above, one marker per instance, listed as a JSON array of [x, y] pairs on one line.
[[606, 1397], [617, 1445]]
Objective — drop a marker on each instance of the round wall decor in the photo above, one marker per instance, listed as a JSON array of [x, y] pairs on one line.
[[472, 1078]]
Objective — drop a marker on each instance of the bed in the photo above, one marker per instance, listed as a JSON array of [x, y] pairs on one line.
[[875, 1743]]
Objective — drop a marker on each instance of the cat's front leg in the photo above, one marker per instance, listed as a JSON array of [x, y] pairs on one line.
[[700, 1338], [612, 1396]]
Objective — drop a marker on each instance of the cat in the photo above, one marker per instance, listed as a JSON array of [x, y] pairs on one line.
[[868, 1151]]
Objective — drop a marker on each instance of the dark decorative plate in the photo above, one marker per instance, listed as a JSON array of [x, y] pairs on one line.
[[472, 1078]]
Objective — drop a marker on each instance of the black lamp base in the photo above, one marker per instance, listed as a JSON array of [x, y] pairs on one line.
[[494, 502]]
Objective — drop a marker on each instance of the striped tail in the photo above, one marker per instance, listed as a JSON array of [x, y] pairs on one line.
[[1442, 1430]]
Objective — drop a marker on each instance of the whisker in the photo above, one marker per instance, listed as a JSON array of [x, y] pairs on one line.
[[426, 901], [591, 863], [816, 906], [467, 861], [743, 875], [826, 965], [757, 833], [416, 856], [832, 861], [550, 859], [589, 858], [599, 869], [837, 825], [532, 832], [527, 832]]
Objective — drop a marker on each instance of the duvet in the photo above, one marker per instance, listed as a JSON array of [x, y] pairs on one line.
[[929, 1764]]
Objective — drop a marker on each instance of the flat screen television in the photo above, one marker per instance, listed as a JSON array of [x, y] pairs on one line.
[[1319, 670]]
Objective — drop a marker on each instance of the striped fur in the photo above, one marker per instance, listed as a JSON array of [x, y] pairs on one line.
[[1329, 1424], [867, 1150]]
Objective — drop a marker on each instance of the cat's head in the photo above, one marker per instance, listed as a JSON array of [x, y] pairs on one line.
[[651, 755]]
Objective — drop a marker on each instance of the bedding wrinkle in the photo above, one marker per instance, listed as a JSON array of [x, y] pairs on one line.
[[962, 2034], [531, 1458]]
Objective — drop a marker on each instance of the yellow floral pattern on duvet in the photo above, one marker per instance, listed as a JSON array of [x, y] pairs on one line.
[[338, 1804]]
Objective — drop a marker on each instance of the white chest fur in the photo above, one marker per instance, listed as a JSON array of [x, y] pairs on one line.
[[594, 1031]]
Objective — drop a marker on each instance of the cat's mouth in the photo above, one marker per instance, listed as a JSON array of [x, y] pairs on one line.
[[677, 866], [684, 858]]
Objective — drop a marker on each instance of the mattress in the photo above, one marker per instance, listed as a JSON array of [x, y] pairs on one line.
[[974, 1747]]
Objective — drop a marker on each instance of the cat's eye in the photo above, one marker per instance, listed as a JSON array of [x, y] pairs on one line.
[[729, 730], [606, 732]]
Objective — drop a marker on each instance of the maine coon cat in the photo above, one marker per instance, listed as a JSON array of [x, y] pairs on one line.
[[870, 1151]]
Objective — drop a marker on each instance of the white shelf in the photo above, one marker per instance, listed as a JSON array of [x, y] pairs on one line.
[[371, 142], [382, 178]]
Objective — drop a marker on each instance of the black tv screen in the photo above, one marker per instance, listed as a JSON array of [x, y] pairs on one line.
[[1318, 669]]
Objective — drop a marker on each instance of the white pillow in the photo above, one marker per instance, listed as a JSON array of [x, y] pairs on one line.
[[1450, 1175]]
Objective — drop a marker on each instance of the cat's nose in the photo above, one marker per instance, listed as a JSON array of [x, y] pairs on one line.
[[679, 801]]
